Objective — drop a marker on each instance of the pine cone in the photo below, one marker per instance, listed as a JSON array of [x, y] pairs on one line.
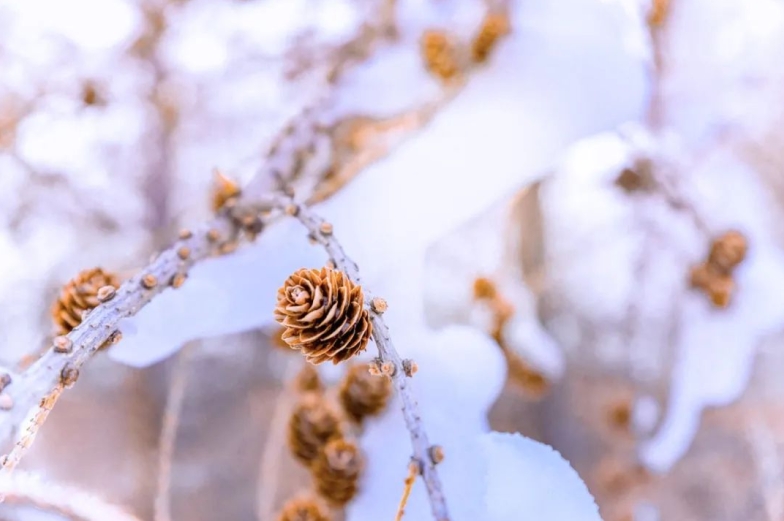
[[337, 471], [727, 251], [324, 315], [363, 394], [304, 509], [78, 296], [313, 423]]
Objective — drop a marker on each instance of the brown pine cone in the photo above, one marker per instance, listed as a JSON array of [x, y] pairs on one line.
[[362, 394], [78, 296], [727, 251], [304, 509], [324, 315], [312, 424], [493, 27], [337, 471]]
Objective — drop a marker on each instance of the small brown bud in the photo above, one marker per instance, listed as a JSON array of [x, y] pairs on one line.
[[178, 280], [436, 453], [252, 225], [374, 368], [720, 290], [727, 251], [213, 235], [183, 252], [149, 281], [185, 234], [106, 293], [700, 276], [410, 367], [484, 288], [388, 368], [69, 375], [379, 305], [114, 338], [63, 344], [228, 247], [6, 402], [5, 380], [326, 228], [292, 210]]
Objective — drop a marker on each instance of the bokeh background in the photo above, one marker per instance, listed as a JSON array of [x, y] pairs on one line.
[[619, 138]]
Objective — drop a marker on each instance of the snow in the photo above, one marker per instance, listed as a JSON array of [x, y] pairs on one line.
[[480, 467], [714, 348], [441, 177], [528, 477], [225, 295]]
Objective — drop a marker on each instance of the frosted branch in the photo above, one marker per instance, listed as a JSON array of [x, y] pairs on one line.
[[25, 489], [398, 369]]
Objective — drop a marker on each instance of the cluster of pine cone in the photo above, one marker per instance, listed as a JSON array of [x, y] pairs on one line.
[[714, 276], [319, 437]]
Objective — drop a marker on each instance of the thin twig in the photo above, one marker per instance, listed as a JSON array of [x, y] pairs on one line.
[[171, 421], [35, 390], [270, 456], [386, 350], [27, 489], [413, 470]]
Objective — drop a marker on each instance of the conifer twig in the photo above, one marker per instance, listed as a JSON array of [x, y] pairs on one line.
[[390, 361]]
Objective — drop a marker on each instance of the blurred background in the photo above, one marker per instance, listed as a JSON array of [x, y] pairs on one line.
[[628, 262]]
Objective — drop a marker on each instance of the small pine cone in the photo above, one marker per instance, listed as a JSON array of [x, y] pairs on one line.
[[304, 509], [362, 394], [78, 296], [439, 54], [324, 315], [493, 27], [313, 423], [337, 471], [727, 251]]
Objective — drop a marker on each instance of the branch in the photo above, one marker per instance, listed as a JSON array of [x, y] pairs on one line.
[[171, 422], [28, 490], [321, 232]]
